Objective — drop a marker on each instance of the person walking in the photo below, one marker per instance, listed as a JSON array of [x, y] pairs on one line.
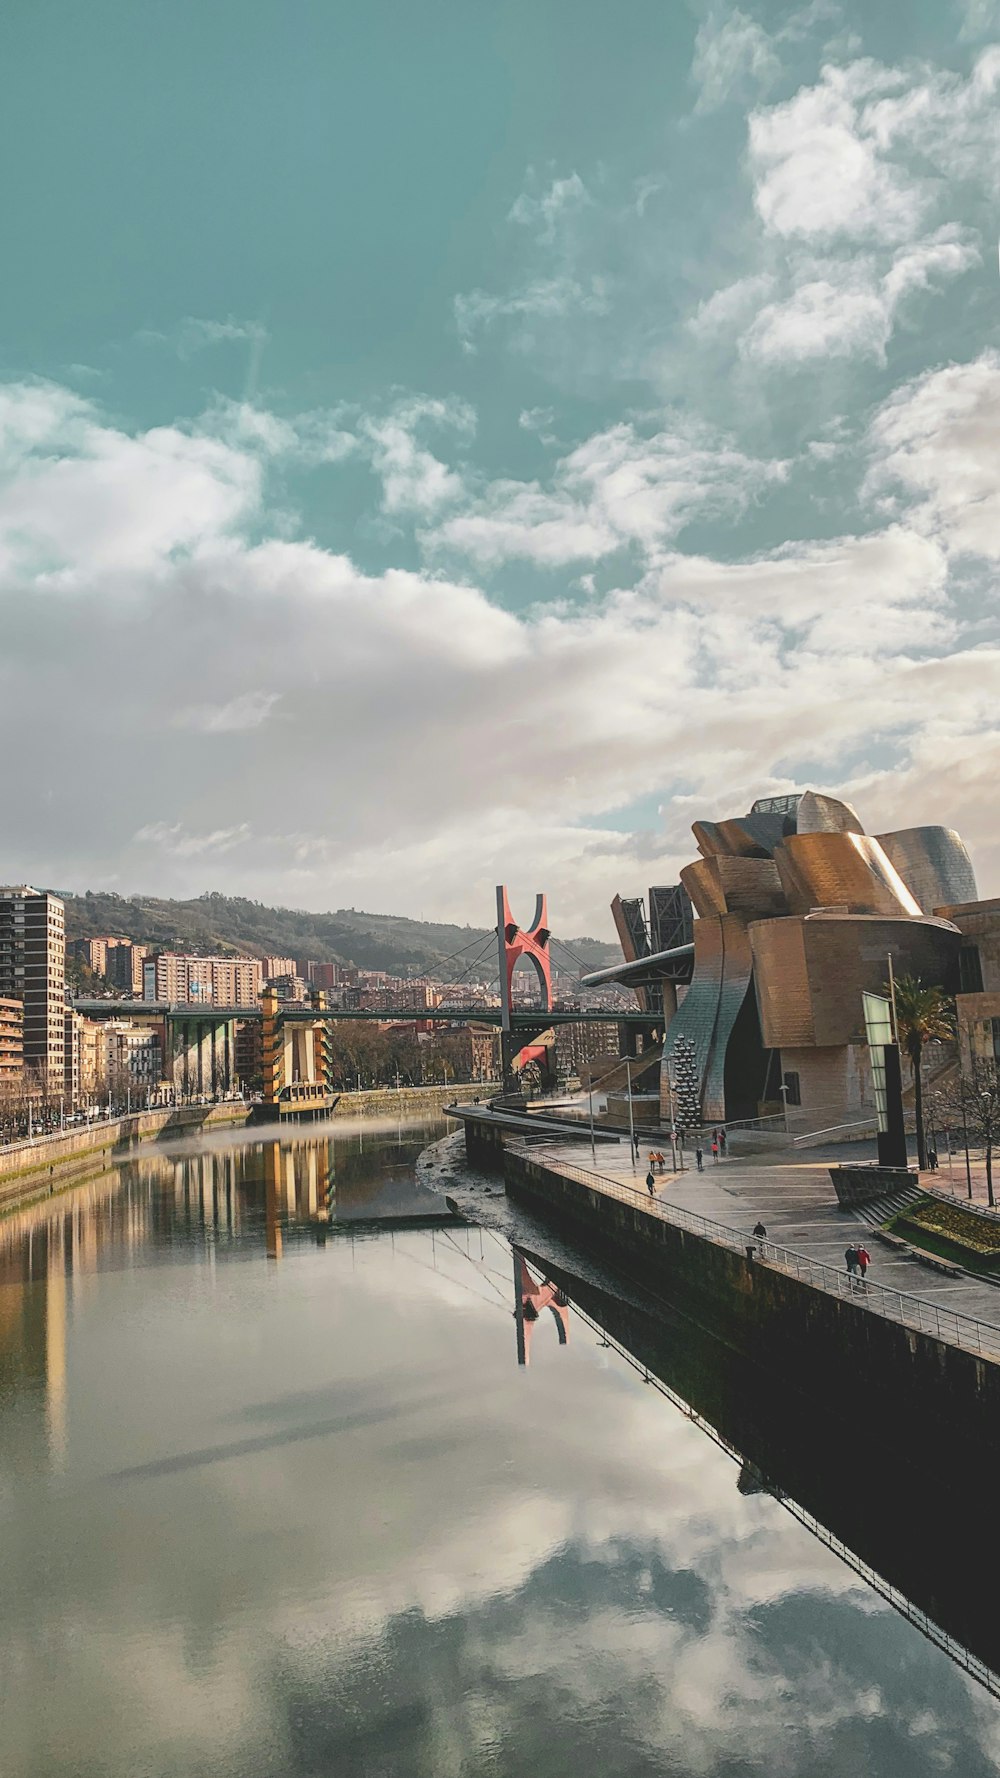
[[932, 1160], [635, 1141], [851, 1256], [864, 1260], [715, 1145], [759, 1229], [651, 1183], [722, 1141], [699, 1159]]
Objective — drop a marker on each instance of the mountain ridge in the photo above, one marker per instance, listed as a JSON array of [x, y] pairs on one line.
[[226, 924]]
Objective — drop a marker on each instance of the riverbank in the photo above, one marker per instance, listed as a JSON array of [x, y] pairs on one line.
[[36, 1167]]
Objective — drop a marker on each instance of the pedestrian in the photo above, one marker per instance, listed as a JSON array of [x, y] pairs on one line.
[[715, 1145], [722, 1141], [864, 1260], [851, 1256], [698, 1159], [635, 1141], [932, 1159], [759, 1229], [651, 1183]]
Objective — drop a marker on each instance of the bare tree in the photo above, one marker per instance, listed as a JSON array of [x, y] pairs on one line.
[[972, 1101]]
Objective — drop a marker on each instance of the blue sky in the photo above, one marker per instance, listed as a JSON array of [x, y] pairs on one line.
[[442, 442]]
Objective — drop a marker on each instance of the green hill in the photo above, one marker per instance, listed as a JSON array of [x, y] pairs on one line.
[[229, 924]]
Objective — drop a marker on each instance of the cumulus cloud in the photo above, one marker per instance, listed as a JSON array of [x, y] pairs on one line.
[[385, 738], [619, 488], [413, 479], [844, 308], [937, 441], [859, 155]]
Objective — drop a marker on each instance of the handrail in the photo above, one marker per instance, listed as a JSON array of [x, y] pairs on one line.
[[955, 1329]]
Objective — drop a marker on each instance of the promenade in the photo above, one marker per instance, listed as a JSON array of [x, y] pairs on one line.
[[793, 1196]]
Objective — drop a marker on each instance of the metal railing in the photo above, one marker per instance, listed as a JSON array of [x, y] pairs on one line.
[[955, 1329], [914, 1614]]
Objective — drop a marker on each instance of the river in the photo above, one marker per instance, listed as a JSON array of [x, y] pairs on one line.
[[277, 1498]]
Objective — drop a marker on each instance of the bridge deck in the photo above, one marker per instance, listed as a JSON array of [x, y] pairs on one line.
[[292, 1012]]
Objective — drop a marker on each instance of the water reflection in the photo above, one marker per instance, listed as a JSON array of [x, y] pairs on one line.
[[315, 1516]]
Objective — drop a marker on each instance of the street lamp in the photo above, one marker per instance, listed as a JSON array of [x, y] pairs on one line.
[[783, 1090]]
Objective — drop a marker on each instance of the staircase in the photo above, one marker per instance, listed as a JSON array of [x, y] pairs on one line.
[[882, 1210]]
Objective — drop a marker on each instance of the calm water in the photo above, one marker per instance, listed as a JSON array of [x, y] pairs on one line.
[[277, 1499]]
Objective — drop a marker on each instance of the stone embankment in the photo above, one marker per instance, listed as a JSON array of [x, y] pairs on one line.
[[33, 1168]]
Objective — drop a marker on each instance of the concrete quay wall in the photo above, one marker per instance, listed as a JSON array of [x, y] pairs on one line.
[[25, 1167], [937, 1401]]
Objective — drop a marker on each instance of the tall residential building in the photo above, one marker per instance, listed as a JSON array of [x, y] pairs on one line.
[[11, 1039], [33, 970], [124, 965], [214, 981], [323, 975], [273, 966]]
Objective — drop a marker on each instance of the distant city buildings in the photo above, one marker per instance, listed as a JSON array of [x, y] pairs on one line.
[[212, 981]]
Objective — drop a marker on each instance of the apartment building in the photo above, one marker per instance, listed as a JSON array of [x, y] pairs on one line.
[[11, 1039], [33, 970], [135, 1051], [84, 1064], [215, 981], [275, 966]]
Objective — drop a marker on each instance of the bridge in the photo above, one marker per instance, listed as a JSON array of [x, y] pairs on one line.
[[296, 1062], [293, 1012]]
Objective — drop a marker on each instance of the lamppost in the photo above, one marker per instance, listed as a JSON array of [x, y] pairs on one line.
[[783, 1090], [590, 1096], [631, 1120]]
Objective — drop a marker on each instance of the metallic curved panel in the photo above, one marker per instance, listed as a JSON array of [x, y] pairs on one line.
[[845, 870], [933, 863], [722, 976], [747, 886], [695, 1017], [752, 887], [751, 836], [703, 882], [707, 838], [810, 972], [819, 813]]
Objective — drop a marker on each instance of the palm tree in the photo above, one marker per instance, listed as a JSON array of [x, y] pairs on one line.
[[923, 1015]]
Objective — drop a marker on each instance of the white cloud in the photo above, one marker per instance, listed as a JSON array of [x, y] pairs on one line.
[[540, 300], [617, 488], [194, 335], [426, 732], [247, 711], [545, 211], [817, 168], [413, 479], [844, 308], [862, 154], [937, 441], [732, 55]]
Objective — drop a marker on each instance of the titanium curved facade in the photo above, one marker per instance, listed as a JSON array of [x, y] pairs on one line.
[[934, 865], [798, 909]]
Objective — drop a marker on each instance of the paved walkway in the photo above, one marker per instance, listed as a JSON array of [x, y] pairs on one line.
[[794, 1198]]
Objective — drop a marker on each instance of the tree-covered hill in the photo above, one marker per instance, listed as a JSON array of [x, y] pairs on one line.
[[229, 924]]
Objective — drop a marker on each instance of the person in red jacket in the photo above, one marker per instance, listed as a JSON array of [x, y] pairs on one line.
[[864, 1260]]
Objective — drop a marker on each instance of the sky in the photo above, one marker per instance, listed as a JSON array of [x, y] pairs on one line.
[[444, 443]]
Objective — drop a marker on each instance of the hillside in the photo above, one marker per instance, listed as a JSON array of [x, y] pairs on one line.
[[226, 924]]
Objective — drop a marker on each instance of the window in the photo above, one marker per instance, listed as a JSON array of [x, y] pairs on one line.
[[793, 1095], [970, 970]]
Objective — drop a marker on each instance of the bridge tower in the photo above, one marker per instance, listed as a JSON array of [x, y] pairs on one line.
[[513, 943]]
